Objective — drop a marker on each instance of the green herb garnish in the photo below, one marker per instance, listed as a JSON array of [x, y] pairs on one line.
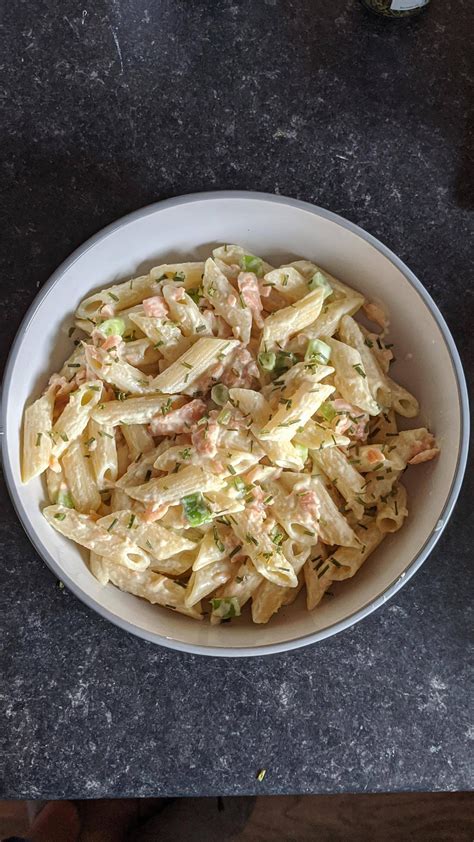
[[359, 370]]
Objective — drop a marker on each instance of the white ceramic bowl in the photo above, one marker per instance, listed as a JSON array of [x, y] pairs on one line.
[[279, 229]]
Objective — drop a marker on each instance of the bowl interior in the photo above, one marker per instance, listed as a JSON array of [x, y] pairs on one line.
[[187, 230]]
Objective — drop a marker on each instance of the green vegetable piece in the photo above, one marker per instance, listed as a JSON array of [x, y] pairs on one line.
[[317, 351], [327, 411], [220, 394], [226, 608], [195, 509], [284, 361], [250, 263], [224, 417], [320, 280], [65, 499], [267, 361], [112, 327], [301, 450]]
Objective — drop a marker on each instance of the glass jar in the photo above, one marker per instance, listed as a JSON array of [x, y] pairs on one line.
[[395, 8]]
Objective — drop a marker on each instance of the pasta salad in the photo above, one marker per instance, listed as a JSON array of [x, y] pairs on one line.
[[225, 432]]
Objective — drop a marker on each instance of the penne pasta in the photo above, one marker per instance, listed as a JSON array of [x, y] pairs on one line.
[[80, 478], [350, 378], [134, 410], [226, 301], [181, 374], [84, 530], [138, 439], [101, 446], [157, 589], [37, 436], [288, 321], [225, 433], [171, 489], [75, 416], [157, 541]]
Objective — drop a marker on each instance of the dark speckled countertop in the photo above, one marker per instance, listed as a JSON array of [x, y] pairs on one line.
[[112, 104]]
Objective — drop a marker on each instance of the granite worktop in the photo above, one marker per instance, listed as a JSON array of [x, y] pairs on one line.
[[112, 104]]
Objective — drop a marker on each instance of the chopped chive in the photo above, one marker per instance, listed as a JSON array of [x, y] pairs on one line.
[[60, 516], [113, 296], [290, 423], [323, 571], [368, 342], [38, 439], [131, 521], [235, 551], [109, 528], [220, 546], [359, 370]]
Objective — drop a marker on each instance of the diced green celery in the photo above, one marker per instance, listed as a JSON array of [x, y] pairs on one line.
[[317, 351], [195, 509], [320, 280], [250, 263], [112, 327], [220, 394], [226, 607], [267, 360], [327, 411], [65, 499]]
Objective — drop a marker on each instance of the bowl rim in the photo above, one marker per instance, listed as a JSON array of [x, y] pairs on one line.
[[369, 607]]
